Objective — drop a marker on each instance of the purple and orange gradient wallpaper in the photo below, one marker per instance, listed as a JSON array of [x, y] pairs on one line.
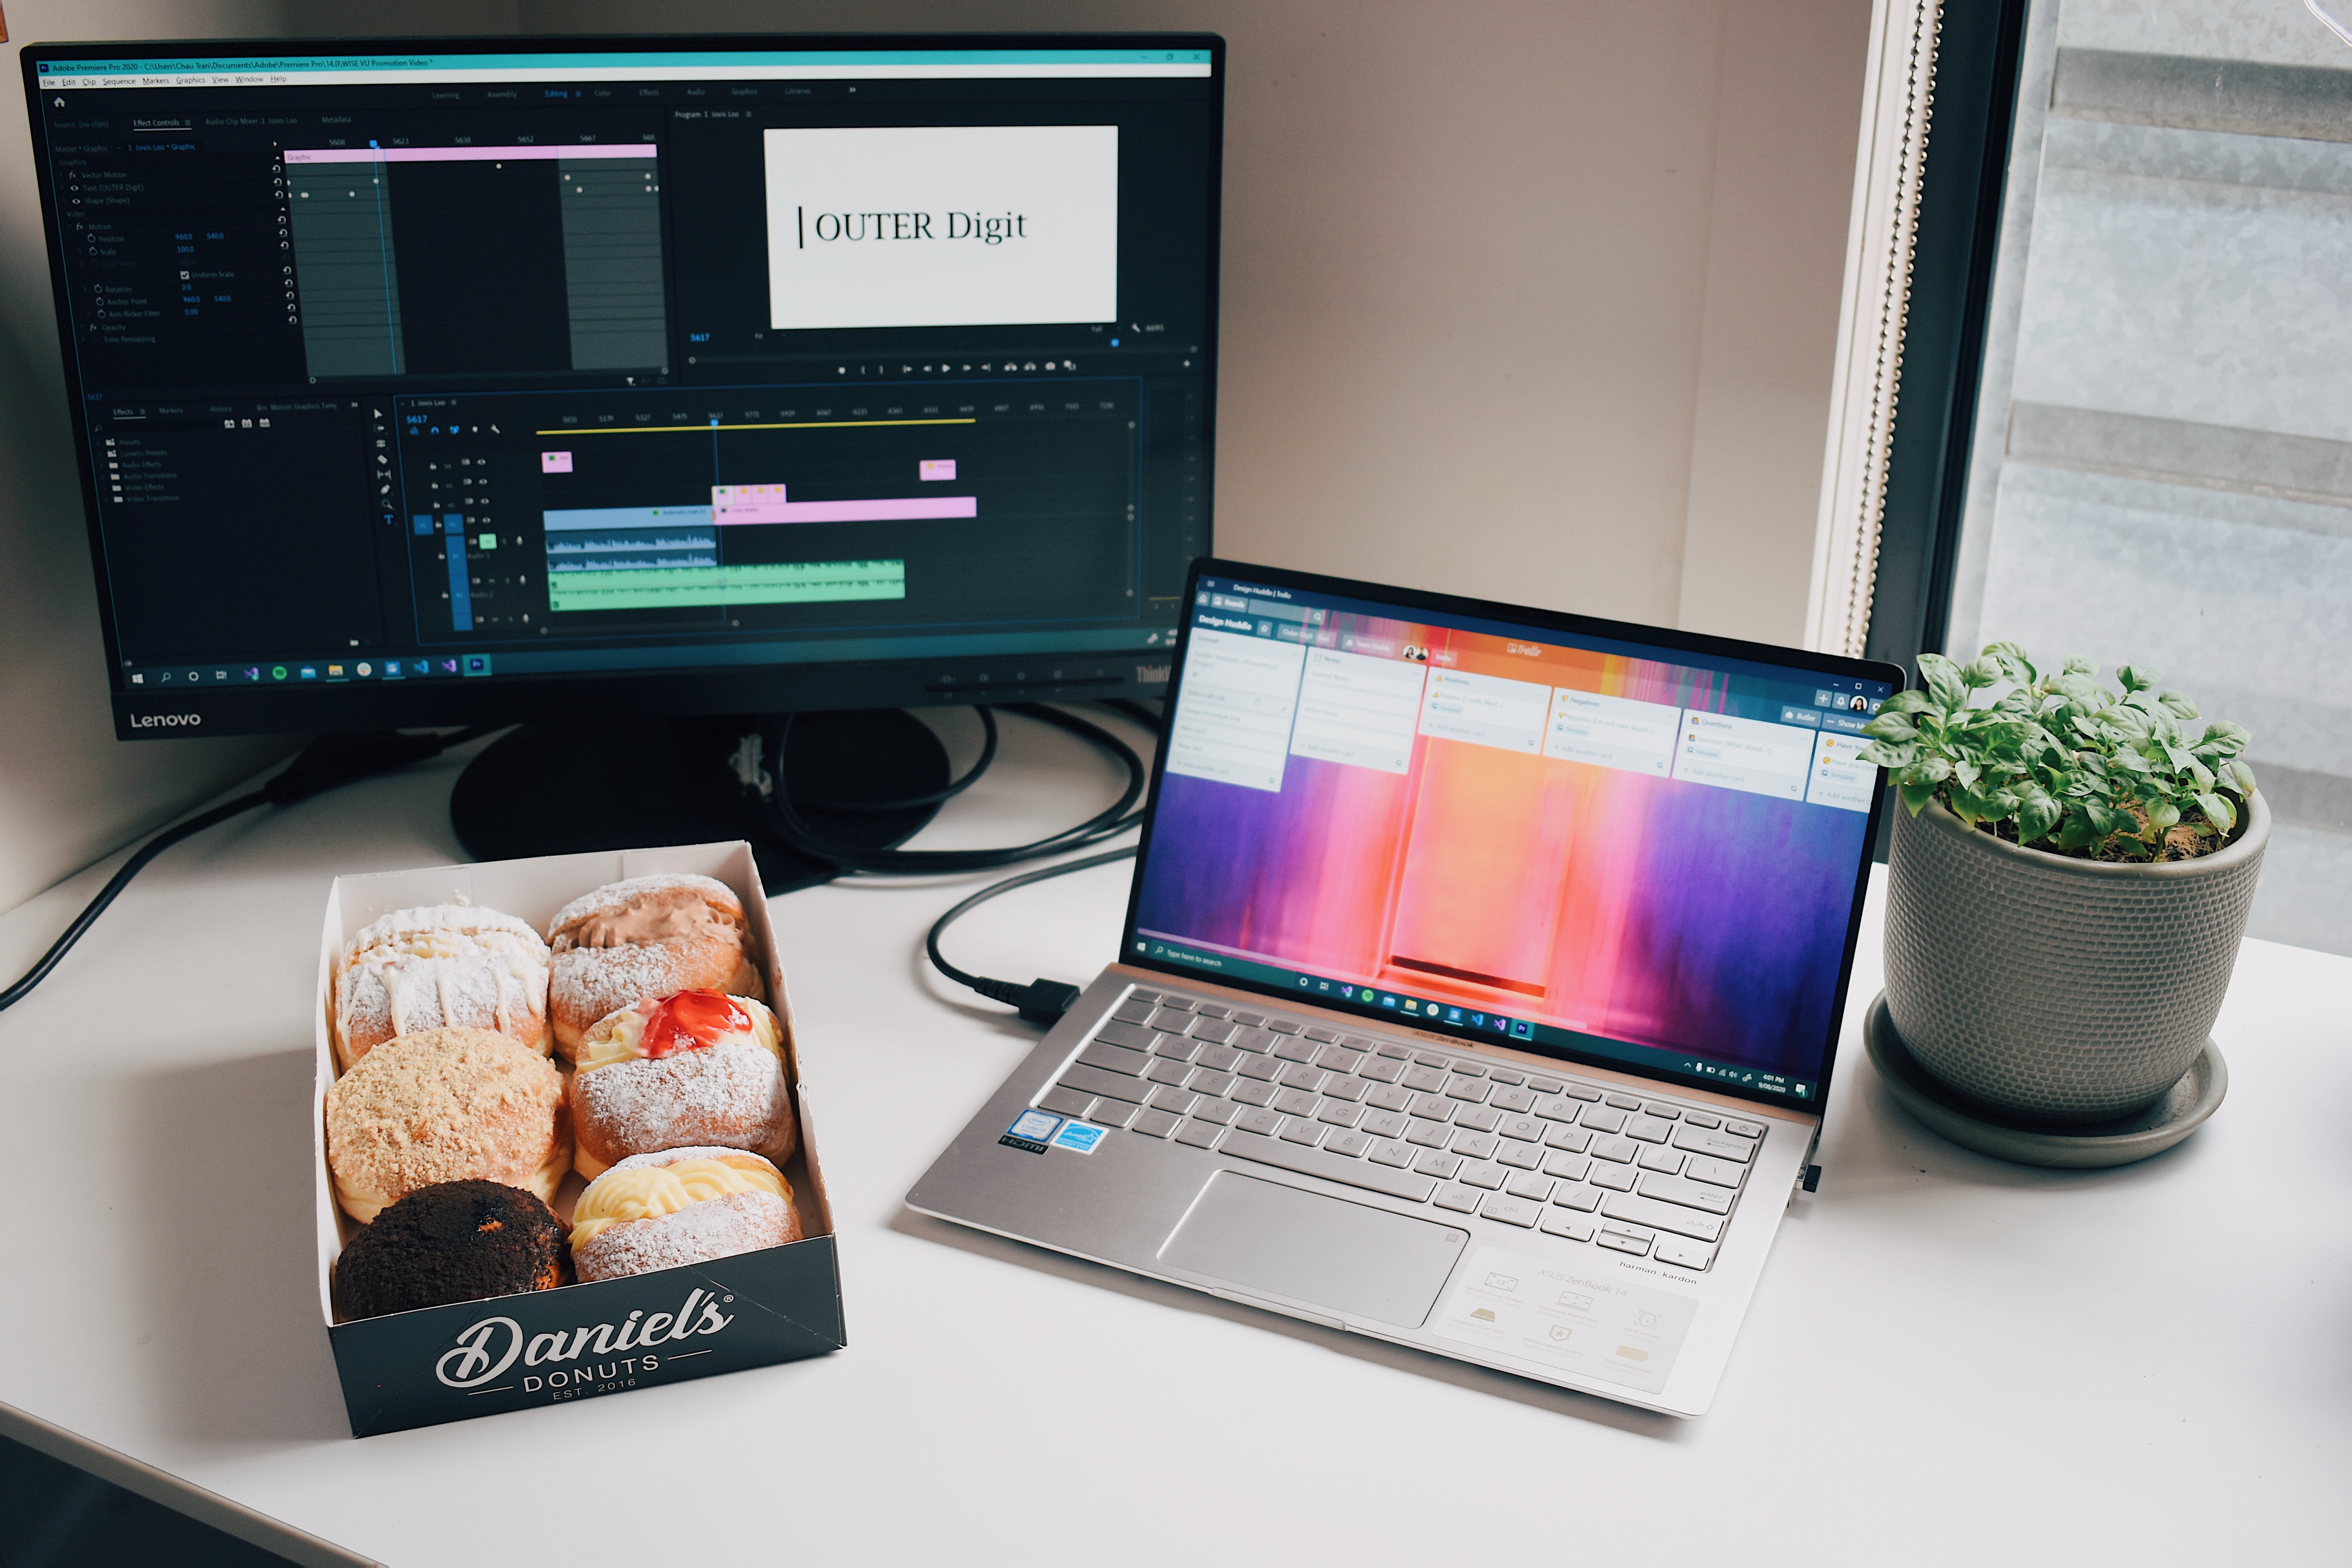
[[1652, 910]]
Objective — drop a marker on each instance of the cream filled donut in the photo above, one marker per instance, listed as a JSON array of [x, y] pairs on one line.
[[678, 1207], [649, 936], [441, 967], [697, 1069], [446, 1105]]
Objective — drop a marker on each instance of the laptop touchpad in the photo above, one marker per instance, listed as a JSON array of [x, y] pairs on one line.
[[1278, 1240]]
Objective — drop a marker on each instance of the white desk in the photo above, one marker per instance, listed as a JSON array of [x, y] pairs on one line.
[[1950, 1360]]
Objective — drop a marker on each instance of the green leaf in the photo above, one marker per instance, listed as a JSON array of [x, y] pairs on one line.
[[2012, 661], [2218, 812], [2077, 665], [2179, 703], [2036, 814], [2132, 678], [1890, 727], [1944, 682], [1916, 796], [2242, 775], [1890, 754], [1911, 701], [1968, 773], [2232, 738], [2161, 814], [1982, 672], [2103, 818], [1929, 771], [2201, 775]]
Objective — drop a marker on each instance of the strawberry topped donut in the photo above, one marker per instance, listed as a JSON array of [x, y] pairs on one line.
[[693, 1069], [647, 936]]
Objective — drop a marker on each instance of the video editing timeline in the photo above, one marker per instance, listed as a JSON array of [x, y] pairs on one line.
[[370, 234], [1600, 849]]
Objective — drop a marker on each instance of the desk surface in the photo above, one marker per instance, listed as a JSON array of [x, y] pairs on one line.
[[1949, 1358]]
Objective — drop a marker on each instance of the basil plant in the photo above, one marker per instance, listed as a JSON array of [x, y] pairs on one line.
[[2063, 761]]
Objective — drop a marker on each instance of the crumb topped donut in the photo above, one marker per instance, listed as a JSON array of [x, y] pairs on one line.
[[698, 1069], [446, 1105], [649, 936], [679, 1207], [453, 1241], [442, 966]]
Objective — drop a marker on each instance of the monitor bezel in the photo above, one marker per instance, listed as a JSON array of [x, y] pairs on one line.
[[1410, 600], [145, 713]]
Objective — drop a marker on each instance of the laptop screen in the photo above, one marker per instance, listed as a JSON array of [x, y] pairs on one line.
[[1608, 850]]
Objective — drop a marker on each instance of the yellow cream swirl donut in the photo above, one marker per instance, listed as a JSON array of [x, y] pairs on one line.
[[653, 1190], [677, 1207]]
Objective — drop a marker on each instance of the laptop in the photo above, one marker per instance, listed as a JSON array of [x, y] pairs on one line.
[[1480, 985]]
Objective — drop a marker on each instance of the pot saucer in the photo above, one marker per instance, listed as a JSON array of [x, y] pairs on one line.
[[2181, 1111]]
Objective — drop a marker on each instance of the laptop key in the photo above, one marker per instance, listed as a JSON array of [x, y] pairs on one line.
[[1218, 1058], [1215, 1031], [1509, 1210], [1602, 1120], [1546, 1085], [1468, 1069], [1568, 1195], [1168, 999], [1294, 1102], [1298, 1075], [1259, 1120], [1174, 1020], [1332, 1167], [1745, 1128], [1581, 1091], [1385, 1124], [1065, 1101], [1380, 1070], [1461, 1200], [1115, 1059], [1247, 1020], [1431, 1107], [1167, 1072], [1321, 1035], [1256, 1041], [1618, 1242], [1211, 1009], [1437, 1163], [1134, 1010], [1616, 1178], [1392, 1154], [1512, 1099], [1650, 1212], [1298, 1132], [1507, 1075], [1520, 1156], [1665, 1162], [1616, 1151], [1338, 1058], [1467, 1088], [1649, 1128], [1395, 1052], [1428, 1134], [1253, 1094], [1423, 1079], [1294, 1050], [1568, 1167], [1715, 1145], [1484, 1174], [1525, 1129], [1701, 1119], [1689, 1194], [1338, 1112], [1199, 1134], [1154, 1124], [1682, 1254], [1574, 1140], [1431, 1060], [1388, 1097], [1351, 1144], [1533, 1188], [1175, 1047], [1664, 1112], [1624, 1102], [1220, 1112], [1130, 1035], [1285, 1025], [1714, 1173], [1556, 1108], [1205, 1080], [1178, 1100], [1345, 1088], [1559, 1222], [1260, 1068], [1110, 1112], [1477, 1145], [1094, 1081]]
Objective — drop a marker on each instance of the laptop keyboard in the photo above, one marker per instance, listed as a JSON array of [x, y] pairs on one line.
[[1634, 1174]]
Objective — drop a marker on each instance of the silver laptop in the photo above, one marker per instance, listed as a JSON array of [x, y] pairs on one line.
[[1480, 985]]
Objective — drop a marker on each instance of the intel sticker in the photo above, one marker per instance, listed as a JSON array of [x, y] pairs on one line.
[[1030, 1131], [1079, 1136]]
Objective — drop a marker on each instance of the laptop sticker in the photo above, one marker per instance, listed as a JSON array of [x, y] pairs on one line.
[[1577, 1319], [1030, 1131], [1081, 1136]]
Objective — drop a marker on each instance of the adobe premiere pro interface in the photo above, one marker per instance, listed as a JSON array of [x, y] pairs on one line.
[[1619, 852], [465, 366]]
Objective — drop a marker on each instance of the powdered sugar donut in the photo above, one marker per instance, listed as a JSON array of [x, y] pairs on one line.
[[697, 1069], [678, 1206], [446, 966], [649, 936]]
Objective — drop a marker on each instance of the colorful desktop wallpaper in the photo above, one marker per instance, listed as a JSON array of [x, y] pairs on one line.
[[1647, 909]]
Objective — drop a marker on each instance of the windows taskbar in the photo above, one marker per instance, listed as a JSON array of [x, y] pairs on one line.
[[1425, 1013]]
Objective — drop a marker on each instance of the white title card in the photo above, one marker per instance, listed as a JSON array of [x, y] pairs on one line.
[[942, 226]]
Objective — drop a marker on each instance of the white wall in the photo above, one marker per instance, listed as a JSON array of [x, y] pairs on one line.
[[1534, 299]]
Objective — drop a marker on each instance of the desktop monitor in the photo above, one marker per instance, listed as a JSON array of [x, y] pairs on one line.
[[434, 381]]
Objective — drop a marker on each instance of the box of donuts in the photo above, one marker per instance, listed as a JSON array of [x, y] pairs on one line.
[[563, 1142]]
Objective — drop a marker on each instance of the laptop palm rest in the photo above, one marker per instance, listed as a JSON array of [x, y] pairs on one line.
[[1279, 1240]]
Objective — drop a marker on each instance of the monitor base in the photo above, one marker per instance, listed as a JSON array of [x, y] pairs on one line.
[[560, 789]]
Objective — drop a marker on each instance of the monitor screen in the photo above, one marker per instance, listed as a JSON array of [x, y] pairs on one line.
[[431, 381], [1600, 842]]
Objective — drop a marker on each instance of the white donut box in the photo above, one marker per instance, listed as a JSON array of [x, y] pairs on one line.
[[581, 1342]]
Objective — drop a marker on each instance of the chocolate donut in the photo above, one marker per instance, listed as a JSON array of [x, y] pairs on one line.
[[446, 1105], [453, 1241], [444, 966], [679, 1207], [697, 1069], [649, 936]]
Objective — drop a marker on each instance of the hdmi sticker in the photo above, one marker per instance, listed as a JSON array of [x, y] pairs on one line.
[[1030, 1131]]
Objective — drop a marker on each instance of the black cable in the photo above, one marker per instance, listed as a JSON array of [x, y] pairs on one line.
[[906, 802], [796, 832], [329, 761], [1040, 1001]]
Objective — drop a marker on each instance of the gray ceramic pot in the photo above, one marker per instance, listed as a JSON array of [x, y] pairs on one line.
[[2057, 990]]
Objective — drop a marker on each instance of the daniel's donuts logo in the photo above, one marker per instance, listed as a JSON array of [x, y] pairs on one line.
[[485, 1350]]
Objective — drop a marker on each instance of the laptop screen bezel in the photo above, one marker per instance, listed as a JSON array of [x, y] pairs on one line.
[[1409, 602]]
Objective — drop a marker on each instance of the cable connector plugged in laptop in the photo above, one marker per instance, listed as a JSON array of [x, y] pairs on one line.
[[1040, 1001]]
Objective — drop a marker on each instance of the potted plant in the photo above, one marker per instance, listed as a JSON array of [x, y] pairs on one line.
[[2067, 885]]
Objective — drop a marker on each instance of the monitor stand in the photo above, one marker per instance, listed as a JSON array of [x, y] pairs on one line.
[[559, 789]]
